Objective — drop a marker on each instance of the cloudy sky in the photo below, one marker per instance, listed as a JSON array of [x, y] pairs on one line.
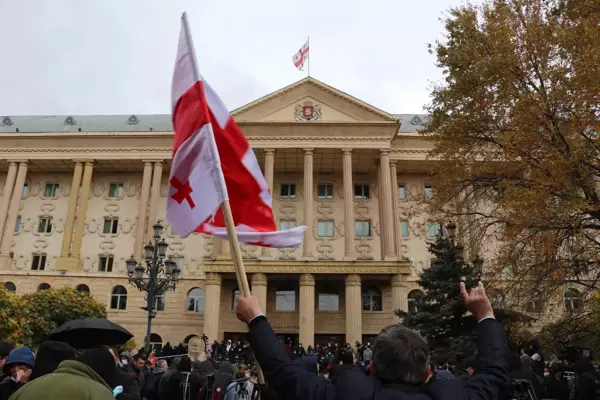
[[116, 56]]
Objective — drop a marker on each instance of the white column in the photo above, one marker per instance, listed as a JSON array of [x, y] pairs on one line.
[[353, 309], [399, 292], [308, 200], [269, 169], [348, 206], [259, 289], [8, 190], [212, 305], [394, 173], [387, 223], [143, 211], [11, 219], [154, 196], [307, 310]]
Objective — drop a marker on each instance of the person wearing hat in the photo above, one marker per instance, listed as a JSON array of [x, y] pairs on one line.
[[18, 367]]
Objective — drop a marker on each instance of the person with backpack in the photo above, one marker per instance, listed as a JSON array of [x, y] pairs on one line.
[[150, 391]]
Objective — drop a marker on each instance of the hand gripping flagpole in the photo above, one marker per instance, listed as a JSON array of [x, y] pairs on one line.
[[240, 270]]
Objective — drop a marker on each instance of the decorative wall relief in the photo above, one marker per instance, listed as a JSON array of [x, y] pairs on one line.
[[21, 262], [97, 189], [194, 266], [164, 188], [250, 251], [176, 243], [90, 264], [364, 245], [287, 210], [40, 245], [34, 189], [209, 243]]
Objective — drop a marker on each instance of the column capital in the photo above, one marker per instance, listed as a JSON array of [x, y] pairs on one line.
[[352, 280], [259, 279], [384, 152], [307, 280], [308, 151], [347, 151], [398, 280], [18, 161], [269, 151], [213, 278], [393, 163], [78, 162], [148, 162]]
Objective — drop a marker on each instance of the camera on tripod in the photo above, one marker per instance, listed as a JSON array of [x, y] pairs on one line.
[[522, 389]]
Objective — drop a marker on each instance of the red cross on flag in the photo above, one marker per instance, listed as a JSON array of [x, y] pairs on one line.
[[301, 56], [213, 162]]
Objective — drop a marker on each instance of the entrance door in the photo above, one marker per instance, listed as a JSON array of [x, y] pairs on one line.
[[323, 340]]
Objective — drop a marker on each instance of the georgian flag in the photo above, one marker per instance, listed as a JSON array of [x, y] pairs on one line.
[[301, 56], [213, 162]]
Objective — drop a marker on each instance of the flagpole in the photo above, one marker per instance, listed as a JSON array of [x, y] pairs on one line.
[[234, 244], [308, 55]]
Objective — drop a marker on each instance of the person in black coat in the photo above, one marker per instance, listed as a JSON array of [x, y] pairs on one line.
[[49, 355], [400, 362]]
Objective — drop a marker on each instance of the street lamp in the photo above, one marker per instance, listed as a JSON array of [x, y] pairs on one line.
[[162, 274]]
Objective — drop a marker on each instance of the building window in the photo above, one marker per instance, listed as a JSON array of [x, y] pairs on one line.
[[362, 192], [286, 224], [288, 191], [43, 286], [155, 342], [45, 225], [363, 228], [496, 299], [414, 299], [371, 300], [38, 263], [160, 301], [83, 288], [51, 190], [11, 287], [105, 264], [115, 190], [433, 229], [74, 224], [234, 296], [325, 228], [25, 191], [428, 192], [18, 224], [535, 304], [401, 192], [285, 300], [111, 226], [573, 300], [195, 300], [118, 298], [404, 229], [325, 191], [329, 302]]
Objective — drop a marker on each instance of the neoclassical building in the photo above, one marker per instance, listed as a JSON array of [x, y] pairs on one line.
[[79, 196]]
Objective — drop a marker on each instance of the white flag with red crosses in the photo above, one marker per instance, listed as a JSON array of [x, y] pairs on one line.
[[213, 162]]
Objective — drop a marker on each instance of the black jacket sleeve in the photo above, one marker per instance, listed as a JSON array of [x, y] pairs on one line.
[[288, 380]]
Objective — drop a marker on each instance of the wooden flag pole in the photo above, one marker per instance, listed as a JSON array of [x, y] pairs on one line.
[[238, 261]]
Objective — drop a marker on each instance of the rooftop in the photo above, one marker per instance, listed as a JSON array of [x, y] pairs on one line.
[[127, 123]]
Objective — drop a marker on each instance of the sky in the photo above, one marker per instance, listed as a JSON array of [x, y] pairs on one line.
[[74, 57]]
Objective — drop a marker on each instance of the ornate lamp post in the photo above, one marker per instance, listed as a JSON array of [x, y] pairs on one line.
[[161, 274]]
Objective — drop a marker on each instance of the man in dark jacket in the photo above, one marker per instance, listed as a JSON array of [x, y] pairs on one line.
[[18, 367], [49, 355], [400, 362]]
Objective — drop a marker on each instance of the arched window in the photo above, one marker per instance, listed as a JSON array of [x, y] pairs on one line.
[[195, 300], [414, 298], [234, 295], [118, 298], [573, 300], [10, 286], [155, 342], [497, 299], [371, 299], [82, 288], [285, 299], [43, 286], [160, 301]]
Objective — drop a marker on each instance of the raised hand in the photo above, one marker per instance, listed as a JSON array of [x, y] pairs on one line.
[[477, 301], [247, 308]]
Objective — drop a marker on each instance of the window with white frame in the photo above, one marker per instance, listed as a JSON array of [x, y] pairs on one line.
[[285, 300], [38, 262], [234, 296], [115, 190], [52, 190], [329, 302], [285, 224], [324, 228], [45, 225], [404, 232], [118, 298], [362, 228], [111, 226], [428, 192], [160, 301], [362, 192], [573, 300], [287, 191], [325, 191], [371, 299], [535, 304], [195, 300], [105, 263], [18, 224], [25, 191], [401, 192], [433, 229]]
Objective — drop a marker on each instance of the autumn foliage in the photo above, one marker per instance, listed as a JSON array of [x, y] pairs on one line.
[[29, 319], [516, 134]]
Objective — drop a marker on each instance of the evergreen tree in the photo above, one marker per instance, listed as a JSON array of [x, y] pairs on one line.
[[440, 315]]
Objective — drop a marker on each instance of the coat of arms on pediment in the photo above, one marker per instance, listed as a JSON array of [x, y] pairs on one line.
[[307, 111]]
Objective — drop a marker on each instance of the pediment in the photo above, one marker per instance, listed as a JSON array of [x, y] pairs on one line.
[[309, 100]]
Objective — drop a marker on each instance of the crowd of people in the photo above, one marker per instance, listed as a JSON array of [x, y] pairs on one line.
[[398, 364]]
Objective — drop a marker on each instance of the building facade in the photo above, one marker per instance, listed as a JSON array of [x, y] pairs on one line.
[[79, 196]]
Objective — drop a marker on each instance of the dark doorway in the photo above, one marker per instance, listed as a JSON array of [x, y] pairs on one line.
[[322, 340], [368, 339], [235, 337]]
